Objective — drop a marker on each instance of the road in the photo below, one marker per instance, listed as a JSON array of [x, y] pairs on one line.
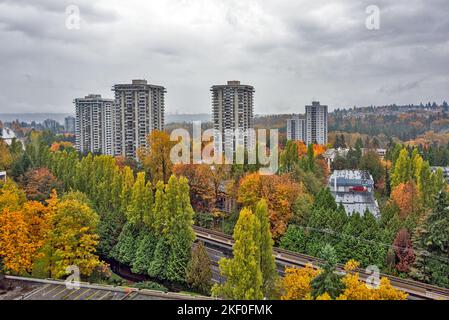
[[219, 245]]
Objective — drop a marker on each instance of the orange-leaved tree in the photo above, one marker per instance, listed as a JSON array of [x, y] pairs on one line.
[[407, 198], [280, 192], [155, 157], [201, 183]]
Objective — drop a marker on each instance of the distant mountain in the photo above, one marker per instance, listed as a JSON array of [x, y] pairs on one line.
[[177, 118], [30, 117], [169, 118]]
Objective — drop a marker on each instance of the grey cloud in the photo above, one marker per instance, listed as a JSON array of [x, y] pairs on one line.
[[290, 50], [400, 88]]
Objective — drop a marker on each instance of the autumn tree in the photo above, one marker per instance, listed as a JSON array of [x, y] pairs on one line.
[[242, 272], [11, 196], [289, 157], [296, 283], [141, 201], [267, 261], [5, 156], [155, 157], [38, 184], [407, 198], [403, 249], [16, 249], [23, 232], [202, 185], [280, 192], [402, 169], [199, 272], [356, 289], [72, 239]]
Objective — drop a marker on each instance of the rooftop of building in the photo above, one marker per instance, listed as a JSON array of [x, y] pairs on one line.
[[352, 174], [93, 97], [232, 83], [316, 104], [138, 83], [7, 133]]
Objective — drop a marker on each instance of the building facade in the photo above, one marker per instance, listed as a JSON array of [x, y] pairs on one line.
[[93, 124], [354, 189], [233, 116], [69, 124], [316, 123], [51, 125], [296, 128], [137, 111]]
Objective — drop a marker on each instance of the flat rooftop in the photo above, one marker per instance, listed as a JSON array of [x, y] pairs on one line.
[[43, 289], [352, 174]]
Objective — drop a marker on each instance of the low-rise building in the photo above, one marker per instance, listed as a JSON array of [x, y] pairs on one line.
[[330, 154], [7, 135], [354, 189]]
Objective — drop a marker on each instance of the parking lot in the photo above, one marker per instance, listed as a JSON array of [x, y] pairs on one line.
[[41, 289]]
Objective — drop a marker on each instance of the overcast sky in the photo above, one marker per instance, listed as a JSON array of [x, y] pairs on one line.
[[291, 51]]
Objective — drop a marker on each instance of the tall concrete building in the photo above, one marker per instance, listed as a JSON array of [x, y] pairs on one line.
[[232, 111], [316, 123], [296, 128], [51, 125], [69, 124], [138, 110], [93, 124]]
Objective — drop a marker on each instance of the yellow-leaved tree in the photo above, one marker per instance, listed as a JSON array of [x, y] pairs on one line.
[[296, 285], [355, 289], [72, 240]]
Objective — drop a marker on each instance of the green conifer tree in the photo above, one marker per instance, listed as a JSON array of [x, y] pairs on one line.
[[328, 281], [242, 272], [267, 261]]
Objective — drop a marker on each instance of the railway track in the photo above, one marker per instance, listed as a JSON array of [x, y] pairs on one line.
[[415, 289]]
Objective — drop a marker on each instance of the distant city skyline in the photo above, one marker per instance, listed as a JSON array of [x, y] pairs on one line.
[[292, 52]]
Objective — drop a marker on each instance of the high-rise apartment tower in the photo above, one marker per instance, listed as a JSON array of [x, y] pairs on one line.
[[93, 124], [232, 108], [316, 123], [296, 128], [138, 110]]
